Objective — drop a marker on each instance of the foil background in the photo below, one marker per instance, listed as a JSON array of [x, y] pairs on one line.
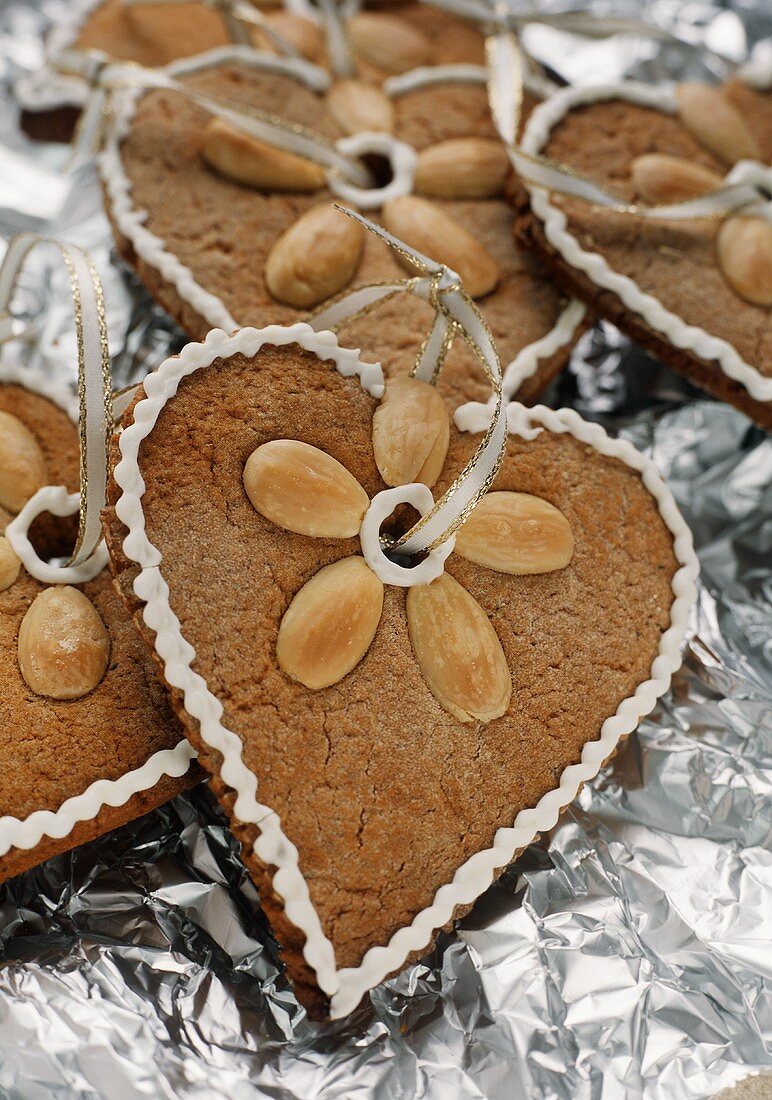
[[628, 954]]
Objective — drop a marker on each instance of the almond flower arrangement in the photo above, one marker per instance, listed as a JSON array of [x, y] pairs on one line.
[[331, 622], [744, 241]]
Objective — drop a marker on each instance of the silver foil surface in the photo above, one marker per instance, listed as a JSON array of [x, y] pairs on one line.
[[627, 955]]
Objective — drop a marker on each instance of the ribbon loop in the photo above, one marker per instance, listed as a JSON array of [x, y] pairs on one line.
[[456, 314], [96, 410]]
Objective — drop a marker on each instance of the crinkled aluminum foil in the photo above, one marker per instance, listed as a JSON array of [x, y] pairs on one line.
[[627, 955]]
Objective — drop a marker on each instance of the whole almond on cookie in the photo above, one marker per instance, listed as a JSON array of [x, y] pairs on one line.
[[22, 465], [63, 644], [358, 107], [744, 247], [462, 168], [516, 533], [411, 431], [330, 624], [458, 651], [716, 123], [300, 32], [659, 178], [303, 489], [242, 158], [388, 42], [315, 258], [425, 227], [9, 564]]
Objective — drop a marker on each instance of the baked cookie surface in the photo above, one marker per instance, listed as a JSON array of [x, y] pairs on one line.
[[674, 263], [383, 792]]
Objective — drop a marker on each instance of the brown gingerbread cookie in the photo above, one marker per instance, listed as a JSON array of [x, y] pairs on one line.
[[225, 231], [89, 739], [374, 730], [697, 291], [379, 43]]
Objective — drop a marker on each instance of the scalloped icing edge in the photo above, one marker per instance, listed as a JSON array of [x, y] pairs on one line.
[[347, 986], [152, 249], [542, 121], [26, 833]]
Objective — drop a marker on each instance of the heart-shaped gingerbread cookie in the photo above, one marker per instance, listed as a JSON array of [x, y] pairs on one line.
[[225, 231], [697, 292], [383, 751], [89, 739]]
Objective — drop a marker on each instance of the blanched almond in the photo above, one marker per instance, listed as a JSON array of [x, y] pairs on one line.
[[516, 533], [659, 178], [716, 123], [330, 624], [462, 168], [411, 431], [302, 489], [22, 465], [305, 35], [358, 107], [458, 651], [9, 564], [63, 644], [244, 159], [745, 255], [427, 228], [315, 258], [388, 42]]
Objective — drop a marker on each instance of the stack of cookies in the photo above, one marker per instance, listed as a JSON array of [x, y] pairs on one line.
[[400, 614]]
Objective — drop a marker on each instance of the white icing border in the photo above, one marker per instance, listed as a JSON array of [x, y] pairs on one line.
[[345, 987], [26, 833], [152, 249], [537, 132]]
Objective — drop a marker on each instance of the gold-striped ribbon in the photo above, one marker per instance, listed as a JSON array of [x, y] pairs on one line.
[[95, 403], [746, 187], [106, 77], [455, 314]]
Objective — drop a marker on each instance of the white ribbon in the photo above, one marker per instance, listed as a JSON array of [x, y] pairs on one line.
[[456, 313], [107, 76], [96, 414]]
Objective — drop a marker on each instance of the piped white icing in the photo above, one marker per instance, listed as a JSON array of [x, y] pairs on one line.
[[26, 833], [401, 156], [381, 507], [57, 500], [537, 132], [131, 220], [346, 986]]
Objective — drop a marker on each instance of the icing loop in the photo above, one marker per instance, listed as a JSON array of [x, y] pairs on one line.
[[390, 571], [402, 160]]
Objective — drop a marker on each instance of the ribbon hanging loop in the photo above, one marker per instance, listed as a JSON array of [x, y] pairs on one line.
[[456, 314], [95, 422]]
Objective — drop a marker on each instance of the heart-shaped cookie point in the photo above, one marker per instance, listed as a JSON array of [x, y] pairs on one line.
[[692, 280], [379, 784]]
